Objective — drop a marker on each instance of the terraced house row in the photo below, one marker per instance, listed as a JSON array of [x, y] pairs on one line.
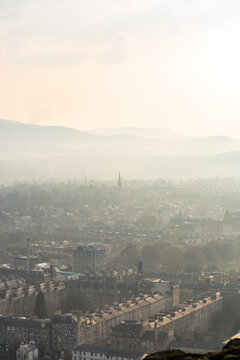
[[155, 333], [96, 328], [65, 332]]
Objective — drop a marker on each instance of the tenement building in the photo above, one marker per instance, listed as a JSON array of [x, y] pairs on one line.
[[158, 331], [96, 328], [65, 332], [14, 331], [141, 324], [20, 300], [88, 291], [58, 334]]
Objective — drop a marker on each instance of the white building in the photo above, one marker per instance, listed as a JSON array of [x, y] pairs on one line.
[[94, 352], [27, 352]]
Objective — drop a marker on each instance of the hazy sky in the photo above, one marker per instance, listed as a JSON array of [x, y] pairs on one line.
[[106, 63]]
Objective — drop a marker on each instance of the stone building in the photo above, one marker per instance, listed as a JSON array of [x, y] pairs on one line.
[[95, 291], [20, 301], [127, 335], [58, 334], [156, 333], [85, 293], [96, 328], [14, 331], [64, 332], [140, 336]]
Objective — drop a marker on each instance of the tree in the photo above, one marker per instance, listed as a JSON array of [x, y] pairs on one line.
[[40, 308], [129, 256], [150, 255]]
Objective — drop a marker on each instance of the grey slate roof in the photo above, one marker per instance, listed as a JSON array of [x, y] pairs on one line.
[[64, 319], [129, 325], [23, 322]]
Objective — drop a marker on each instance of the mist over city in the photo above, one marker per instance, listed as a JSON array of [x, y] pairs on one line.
[[119, 180]]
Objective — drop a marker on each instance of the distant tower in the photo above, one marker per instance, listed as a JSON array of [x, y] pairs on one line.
[[140, 269], [28, 254], [119, 181]]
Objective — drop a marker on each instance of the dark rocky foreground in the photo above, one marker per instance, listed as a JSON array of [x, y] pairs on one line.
[[230, 351]]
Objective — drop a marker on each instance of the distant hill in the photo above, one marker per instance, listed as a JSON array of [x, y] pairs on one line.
[[14, 130], [24, 140], [150, 133], [33, 152]]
